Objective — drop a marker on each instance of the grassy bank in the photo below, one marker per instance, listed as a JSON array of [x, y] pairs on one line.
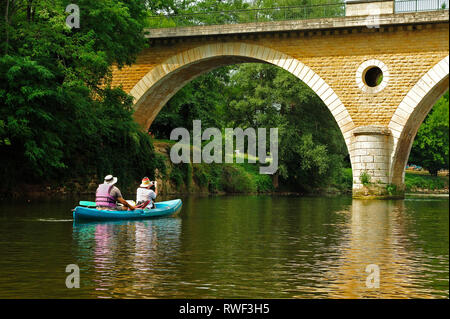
[[210, 178], [245, 178], [233, 178], [420, 182]]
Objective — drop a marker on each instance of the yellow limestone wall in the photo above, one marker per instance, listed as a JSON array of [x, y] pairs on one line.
[[335, 57]]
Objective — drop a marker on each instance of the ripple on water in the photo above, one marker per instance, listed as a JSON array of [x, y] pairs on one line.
[[305, 248]]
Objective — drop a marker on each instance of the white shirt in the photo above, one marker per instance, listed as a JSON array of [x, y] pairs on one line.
[[144, 194]]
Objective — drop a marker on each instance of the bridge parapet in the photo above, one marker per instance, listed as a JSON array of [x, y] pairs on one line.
[[283, 15], [368, 7], [348, 23], [373, 7]]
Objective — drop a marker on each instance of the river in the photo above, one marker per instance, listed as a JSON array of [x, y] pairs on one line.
[[231, 247]]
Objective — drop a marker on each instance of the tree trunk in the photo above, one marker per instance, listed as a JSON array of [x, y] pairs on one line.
[[275, 180]]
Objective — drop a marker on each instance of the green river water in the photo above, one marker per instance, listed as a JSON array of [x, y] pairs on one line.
[[231, 247]]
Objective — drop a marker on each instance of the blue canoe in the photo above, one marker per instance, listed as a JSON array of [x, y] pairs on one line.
[[166, 208]]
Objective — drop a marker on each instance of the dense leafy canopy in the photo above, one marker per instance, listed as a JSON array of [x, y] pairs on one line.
[[430, 147], [211, 12], [59, 117]]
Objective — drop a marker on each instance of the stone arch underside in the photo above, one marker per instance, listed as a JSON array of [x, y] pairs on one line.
[[156, 88], [410, 114], [157, 95]]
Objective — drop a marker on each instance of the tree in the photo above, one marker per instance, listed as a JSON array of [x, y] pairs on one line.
[[210, 12], [59, 116], [194, 12], [203, 98], [311, 146], [430, 147]]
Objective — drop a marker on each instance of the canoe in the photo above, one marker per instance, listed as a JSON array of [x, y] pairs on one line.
[[166, 208]]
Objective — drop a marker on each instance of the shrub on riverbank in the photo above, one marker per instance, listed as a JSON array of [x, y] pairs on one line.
[[344, 180], [210, 178], [419, 183], [218, 178], [245, 178]]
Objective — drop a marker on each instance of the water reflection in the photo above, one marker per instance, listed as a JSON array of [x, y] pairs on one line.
[[379, 235], [269, 247], [123, 258]]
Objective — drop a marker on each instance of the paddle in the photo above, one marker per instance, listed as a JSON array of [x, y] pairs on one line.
[[93, 204], [87, 203]]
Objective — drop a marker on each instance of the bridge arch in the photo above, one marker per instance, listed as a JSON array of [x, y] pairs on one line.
[[156, 88], [410, 114]]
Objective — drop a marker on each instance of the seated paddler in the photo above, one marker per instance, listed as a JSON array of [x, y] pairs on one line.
[[146, 194], [108, 196]]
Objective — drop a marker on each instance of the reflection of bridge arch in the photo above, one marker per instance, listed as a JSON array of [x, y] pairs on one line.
[[412, 112], [153, 91]]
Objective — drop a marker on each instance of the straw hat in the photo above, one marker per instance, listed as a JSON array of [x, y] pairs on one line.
[[146, 182]]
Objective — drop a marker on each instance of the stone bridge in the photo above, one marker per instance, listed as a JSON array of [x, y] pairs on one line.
[[379, 75]]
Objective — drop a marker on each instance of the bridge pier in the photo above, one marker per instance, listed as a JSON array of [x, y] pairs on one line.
[[370, 154]]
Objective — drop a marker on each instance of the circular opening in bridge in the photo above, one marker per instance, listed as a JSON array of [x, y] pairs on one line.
[[373, 76]]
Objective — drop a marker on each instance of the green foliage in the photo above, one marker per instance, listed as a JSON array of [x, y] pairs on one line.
[[391, 189], [263, 182], [267, 96], [431, 145], [232, 178], [259, 95], [25, 86], [208, 177], [414, 182], [188, 175], [343, 179], [203, 98], [212, 12], [365, 178], [195, 13], [177, 174], [60, 118], [237, 180]]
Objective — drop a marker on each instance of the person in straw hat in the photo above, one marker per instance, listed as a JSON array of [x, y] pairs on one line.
[[107, 195], [146, 194]]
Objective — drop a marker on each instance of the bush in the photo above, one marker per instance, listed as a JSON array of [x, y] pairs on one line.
[[237, 180], [391, 189], [415, 181], [344, 180], [201, 177], [365, 178], [177, 175], [208, 176], [264, 183]]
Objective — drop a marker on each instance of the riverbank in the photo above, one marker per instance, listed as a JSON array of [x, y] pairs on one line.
[[218, 179], [421, 182], [77, 188]]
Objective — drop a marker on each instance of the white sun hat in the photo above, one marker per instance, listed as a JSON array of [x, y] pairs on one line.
[[109, 179]]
